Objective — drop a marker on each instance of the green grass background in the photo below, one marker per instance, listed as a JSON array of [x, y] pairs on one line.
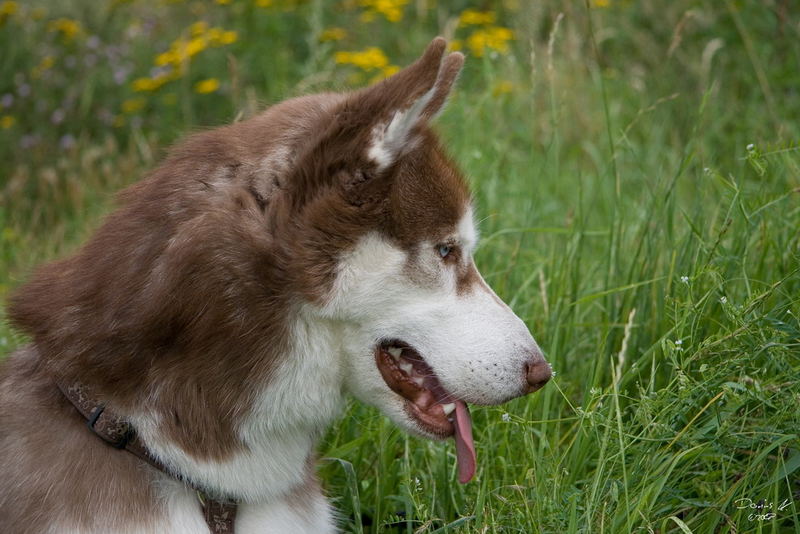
[[636, 167]]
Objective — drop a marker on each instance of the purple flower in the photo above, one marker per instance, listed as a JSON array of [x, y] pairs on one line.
[[66, 142], [7, 100], [28, 141], [93, 42], [121, 74], [24, 90]]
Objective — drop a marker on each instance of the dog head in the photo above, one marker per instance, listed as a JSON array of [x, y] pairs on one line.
[[422, 333]]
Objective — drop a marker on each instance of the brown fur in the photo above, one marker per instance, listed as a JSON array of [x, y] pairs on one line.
[[40, 431], [179, 304]]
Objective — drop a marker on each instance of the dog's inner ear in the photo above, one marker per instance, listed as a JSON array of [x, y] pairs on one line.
[[406, 101]]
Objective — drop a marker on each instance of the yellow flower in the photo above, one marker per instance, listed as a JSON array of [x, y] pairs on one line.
[[264, 3], [7, 9], [7, 121], [473, 17], [369, 59], [455, 44], [228, 37], [198, 28], [390, 70], [494, 38], [333, 34], [182, 50], [502, 87], [165, 58], [385, 72], [68, 28], [132, 105], [392, 10], [143, 85], [45, 64], [223, 2], [194, 47], [206, 86], [601, 3]]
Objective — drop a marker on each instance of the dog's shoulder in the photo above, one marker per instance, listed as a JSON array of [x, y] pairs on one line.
[[60, 474]]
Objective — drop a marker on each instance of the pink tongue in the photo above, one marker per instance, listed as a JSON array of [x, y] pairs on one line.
[[465, 447]]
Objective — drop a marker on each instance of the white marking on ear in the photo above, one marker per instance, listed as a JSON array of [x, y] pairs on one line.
[[390, 141]]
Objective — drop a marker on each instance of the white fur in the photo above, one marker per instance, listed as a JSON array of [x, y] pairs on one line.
[[284, 516], [390, 141], [467, 233]]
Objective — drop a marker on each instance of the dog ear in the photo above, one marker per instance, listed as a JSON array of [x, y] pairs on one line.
[[406, 101], [372, 128]]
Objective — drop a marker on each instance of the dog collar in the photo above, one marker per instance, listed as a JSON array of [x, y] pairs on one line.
[[219, 514]]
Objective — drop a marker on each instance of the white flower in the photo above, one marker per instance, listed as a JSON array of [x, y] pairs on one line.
[[751, 147], [58, 116], [723, 299], [506, 418], [685, 279], [679, 342]]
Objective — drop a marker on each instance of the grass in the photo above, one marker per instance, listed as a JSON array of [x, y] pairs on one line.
[[637, 170]]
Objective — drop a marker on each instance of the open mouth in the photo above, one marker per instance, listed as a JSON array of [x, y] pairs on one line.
[[434, 409]]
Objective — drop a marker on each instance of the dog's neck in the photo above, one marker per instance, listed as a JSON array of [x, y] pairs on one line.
[[276, 439]]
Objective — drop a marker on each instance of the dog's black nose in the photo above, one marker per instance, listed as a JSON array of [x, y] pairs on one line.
[[537, 373]]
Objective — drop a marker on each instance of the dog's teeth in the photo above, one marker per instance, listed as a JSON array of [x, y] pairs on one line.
[[395, 352], [406, 367], [448, 408], [418, 380]]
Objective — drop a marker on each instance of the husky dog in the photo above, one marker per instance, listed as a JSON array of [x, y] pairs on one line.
[[265, 270]]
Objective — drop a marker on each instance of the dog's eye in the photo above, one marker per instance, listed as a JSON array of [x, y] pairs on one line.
[[444, 250]]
